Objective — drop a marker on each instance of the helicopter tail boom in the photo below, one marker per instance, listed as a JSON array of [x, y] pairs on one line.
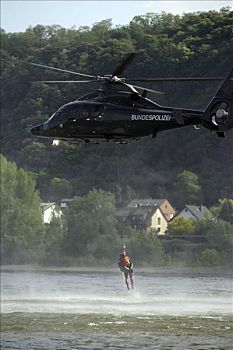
[[218, 115]]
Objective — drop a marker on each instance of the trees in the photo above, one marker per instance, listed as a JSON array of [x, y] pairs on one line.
[[220, 236], [210, 257], [88, 218], [145, 249], [182, 252], [226, 210], [188, 187], [55, 233], [181, 226], [22, 235], [60, 188]]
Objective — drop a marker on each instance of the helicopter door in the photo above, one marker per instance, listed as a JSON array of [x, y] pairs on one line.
[[117, 123]]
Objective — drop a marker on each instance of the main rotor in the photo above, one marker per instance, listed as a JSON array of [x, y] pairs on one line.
[[114, 77]]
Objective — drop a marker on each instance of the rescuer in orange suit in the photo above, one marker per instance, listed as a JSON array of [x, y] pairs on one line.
[[126, 266]]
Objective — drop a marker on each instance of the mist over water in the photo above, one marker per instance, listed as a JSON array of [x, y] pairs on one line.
[[157, 311], [106, 293]]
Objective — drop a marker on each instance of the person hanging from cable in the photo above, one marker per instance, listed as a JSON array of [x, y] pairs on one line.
[[126, 266]]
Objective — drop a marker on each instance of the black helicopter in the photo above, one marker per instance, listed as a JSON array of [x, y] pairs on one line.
[[117, 112]]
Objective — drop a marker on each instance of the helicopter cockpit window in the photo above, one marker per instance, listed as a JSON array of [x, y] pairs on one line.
[[72, 113], [90, 111], [95, 111], [63, 114], [59, 116], [77, 112]]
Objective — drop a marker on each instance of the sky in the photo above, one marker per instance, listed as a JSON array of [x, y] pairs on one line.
[[17, 15]]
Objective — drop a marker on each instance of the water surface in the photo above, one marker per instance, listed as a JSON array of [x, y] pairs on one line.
[[64, 310]]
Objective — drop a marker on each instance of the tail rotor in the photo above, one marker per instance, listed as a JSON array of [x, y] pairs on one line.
[[218, 115]]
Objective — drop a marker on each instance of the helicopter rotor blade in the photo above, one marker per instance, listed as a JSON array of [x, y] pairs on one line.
[[121, 67], [150, 90], [178, 79], [65, 81], [59, 69]]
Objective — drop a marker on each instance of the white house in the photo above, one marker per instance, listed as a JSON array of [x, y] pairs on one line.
[[48, 211]]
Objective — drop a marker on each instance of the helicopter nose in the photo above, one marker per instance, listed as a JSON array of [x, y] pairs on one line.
[[36, 130]]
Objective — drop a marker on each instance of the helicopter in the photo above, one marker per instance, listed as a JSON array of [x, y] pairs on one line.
[[117, 112]]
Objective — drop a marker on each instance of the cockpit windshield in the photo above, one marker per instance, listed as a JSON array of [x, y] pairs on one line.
[[51, 117], [77, 110]]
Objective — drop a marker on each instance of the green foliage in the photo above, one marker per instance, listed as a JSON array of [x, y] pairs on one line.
[[188, 188], [182, 252], [226, 210], [88, 218], [34, 154], [105, 248], [22, 233], [55, 233], [181, 226], [220, 237], [210, 257], [60, 188], [205, 225], [145, 249]]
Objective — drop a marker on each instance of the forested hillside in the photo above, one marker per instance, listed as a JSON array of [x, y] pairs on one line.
[[195, 44]]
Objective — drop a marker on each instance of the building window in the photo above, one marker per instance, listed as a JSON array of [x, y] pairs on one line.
[[159, 221]]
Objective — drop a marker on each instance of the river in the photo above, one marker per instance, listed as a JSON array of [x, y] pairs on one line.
[[93, 310]]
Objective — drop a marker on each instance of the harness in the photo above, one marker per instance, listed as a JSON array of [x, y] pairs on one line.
[[125, 264]]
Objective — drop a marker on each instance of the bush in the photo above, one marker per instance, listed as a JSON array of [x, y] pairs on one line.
[[182, 252], [181, 226], [145, 249], [210, 257]]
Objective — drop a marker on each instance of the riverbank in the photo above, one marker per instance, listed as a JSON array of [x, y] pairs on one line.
[[172, 270]]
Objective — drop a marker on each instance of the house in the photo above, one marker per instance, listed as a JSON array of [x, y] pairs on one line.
[[143, 218], [194, 212], [48, 211], [65, 203], [165, 207]]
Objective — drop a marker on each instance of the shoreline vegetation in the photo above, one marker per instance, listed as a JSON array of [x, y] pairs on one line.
[[223, 271]]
